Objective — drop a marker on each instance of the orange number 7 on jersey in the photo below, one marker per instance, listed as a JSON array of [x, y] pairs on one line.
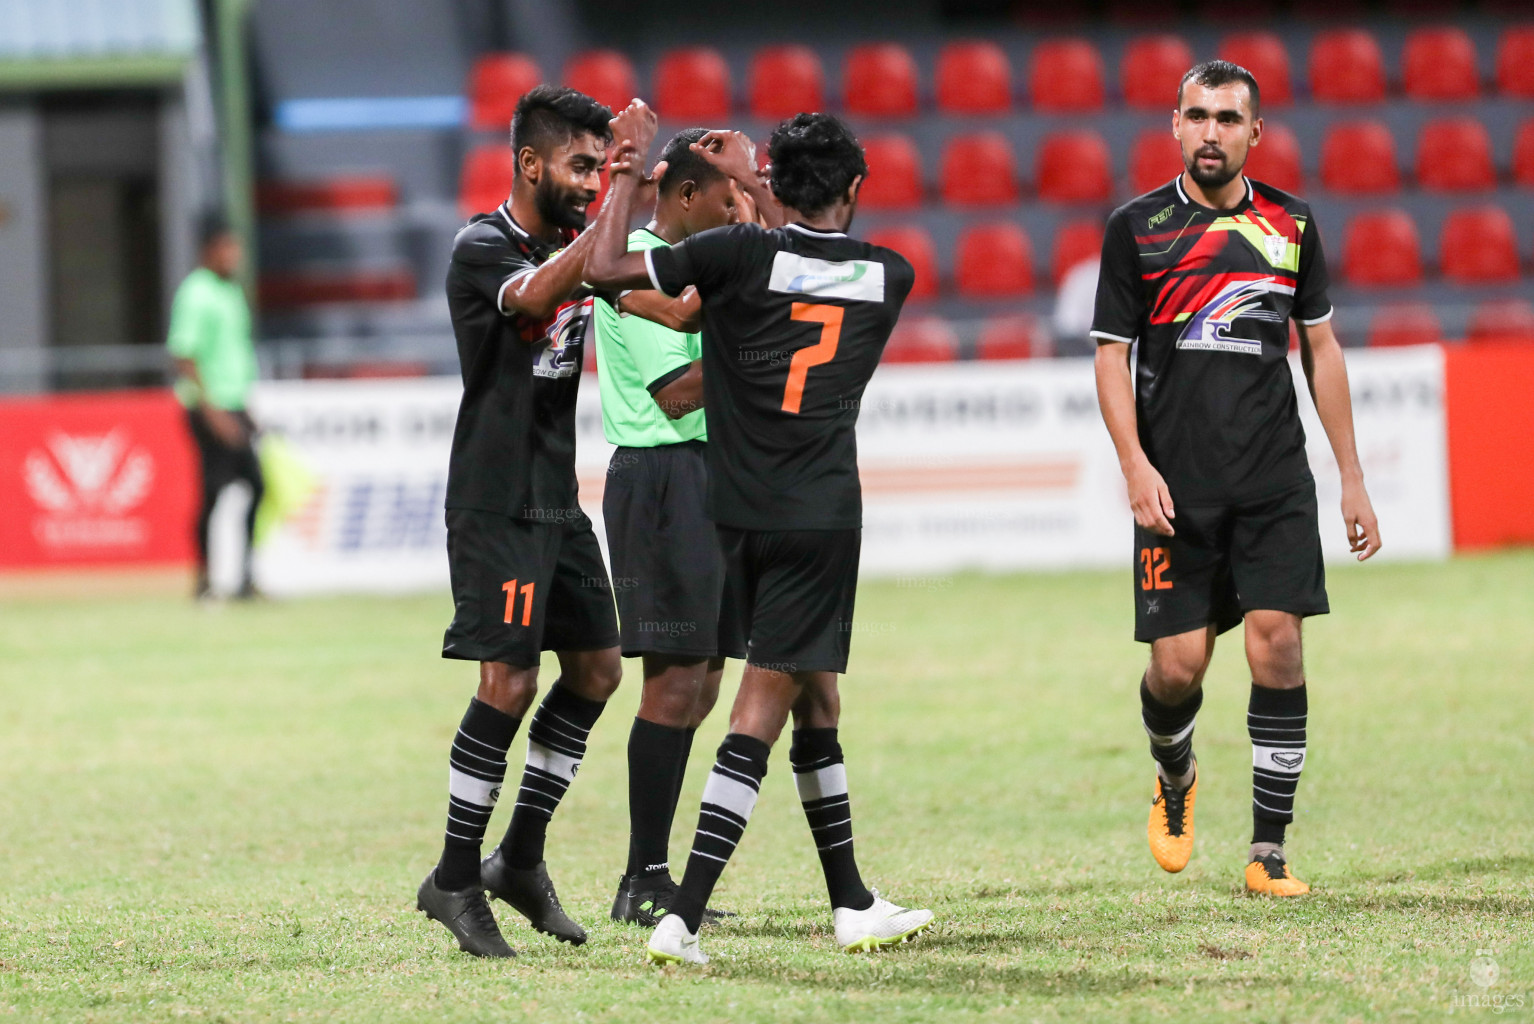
[[830, 320]]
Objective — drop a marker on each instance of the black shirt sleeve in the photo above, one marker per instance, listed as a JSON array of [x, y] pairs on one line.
[[707, 260], [485, 261], [1312, 305], [1120, 306]]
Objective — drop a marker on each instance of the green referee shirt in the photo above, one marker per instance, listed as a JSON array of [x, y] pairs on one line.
[[633, 352], [210, 325]]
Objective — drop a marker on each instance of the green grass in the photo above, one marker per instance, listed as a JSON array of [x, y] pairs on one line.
[[222, 814]]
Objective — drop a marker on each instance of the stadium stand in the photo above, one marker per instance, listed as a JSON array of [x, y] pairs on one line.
[[973, 77], [1515, 61], [1360, 157], [1502, 320], [1276, 160], [1264, 55], [1381, 248], [995, 260], [1454, 155], [880, 81], [1073, 167], [1016, 336], [1066, 75], [979, 170], [1155, 160], [606, 76], [486, 181], [496, 82], [1478, 246], [785, 80], [1074, 242], [914, 244], [1523, 155], [1346, 66], [894, 173], [922, 339], [1439, 64], [1413, 323], [1151, 69], [693, 84]]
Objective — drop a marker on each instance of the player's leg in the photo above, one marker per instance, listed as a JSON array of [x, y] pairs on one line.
[[1184, 599], [1277, 560], [247, 467], [213, 461]]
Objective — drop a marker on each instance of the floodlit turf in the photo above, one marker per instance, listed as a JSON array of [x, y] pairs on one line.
[[222, 814]]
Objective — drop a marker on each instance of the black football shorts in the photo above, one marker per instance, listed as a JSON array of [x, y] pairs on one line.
[[795, 590], [521, 587], [1227, 560], [668, 569]]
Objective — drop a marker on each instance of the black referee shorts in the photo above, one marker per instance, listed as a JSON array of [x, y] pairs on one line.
[[1227, 560], [521, 587], [795, 590], [668, 570]]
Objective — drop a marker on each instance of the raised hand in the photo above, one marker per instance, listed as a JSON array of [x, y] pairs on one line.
[[634, 128], [731, 152]]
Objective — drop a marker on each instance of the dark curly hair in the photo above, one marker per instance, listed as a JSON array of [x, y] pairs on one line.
[[551, 115], [1214, 73], [814, 159], [682, 164]]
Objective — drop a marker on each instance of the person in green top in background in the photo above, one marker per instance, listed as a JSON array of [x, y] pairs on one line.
[[668, 568], [209, 339]]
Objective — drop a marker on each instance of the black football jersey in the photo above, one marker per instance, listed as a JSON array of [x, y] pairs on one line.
[[514, 442], [1207, 295], [794, 323]]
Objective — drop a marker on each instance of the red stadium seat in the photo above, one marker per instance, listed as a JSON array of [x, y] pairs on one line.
[[1360, 157], [922, 339], [974, 77], [1073, 168], [1454, 155], [1477, 246], [1066, 74], [1515, 61], [486, 180], [894, 173], [880, 81], [1410, 324], [915, 245], [292, 288], [1439, 64], [348, 193], [693, 84], [1502, 320], [1276, 160], [1346, 66], [1155, 159], [1264, 55], [979, 170], [1074, 243], [1381, 248], [1151, 68], [604, 75], [786, 80], [994, 261], [1523, 154], [1017, 336], [496, 82]]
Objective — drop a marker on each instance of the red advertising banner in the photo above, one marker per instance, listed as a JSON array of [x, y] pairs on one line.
[[95, 479], [1491, 461]]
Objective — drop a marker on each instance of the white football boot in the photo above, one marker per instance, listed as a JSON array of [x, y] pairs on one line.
[[883, 924], [672, 943]]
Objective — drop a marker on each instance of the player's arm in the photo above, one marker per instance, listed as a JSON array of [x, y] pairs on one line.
[[681, 391], [610, 264], [683, 313], [1327, 375], [539, 292], [1148, 495], [734, 154]]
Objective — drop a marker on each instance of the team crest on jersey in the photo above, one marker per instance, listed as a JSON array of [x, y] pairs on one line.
[[560, 353], [849, 279], [1209, 329], [1277, 246]]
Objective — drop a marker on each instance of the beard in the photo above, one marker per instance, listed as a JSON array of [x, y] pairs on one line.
[[1217, 177], [554, 205]]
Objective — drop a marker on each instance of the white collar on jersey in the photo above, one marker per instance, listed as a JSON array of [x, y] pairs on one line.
[[1184, 195], [815, 232]]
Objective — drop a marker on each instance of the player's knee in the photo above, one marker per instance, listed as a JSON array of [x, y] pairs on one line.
[[509, 690], [1175, 674], [1275, 653], [600, 676]]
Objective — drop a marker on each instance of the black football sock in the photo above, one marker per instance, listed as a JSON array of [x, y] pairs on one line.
[[1170, 728], [1276, 721], [728, 797], [476, 769], [821, 778], [681, 774], [656, 760], [556, 743]]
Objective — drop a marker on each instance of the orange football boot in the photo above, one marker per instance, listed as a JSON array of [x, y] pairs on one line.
[[1170, 828], [1269, 876]]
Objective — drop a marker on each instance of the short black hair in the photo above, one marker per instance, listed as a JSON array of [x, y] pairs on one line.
[[551, 115], [1214, 73], [682, 164], [814, 159], [211, 226]]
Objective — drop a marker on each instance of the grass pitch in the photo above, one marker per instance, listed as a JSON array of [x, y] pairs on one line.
[[222, 814]]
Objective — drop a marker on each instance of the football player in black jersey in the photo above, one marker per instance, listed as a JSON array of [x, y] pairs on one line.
[[794, 322], [527, 574], [1205, 274]]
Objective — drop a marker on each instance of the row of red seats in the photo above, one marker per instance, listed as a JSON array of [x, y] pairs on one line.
[[1477, 246], [980, 169], [1418, 323], [975, 77]]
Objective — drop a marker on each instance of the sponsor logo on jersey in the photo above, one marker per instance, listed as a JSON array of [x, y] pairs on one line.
[[860, 280], [560, 355], [1159, 217], [1209, 329]]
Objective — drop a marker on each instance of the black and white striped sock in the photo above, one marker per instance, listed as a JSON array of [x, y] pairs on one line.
[[1276, 721], [820, 775], [1170, 728], [728, 798], [476, 769], [556, 744]]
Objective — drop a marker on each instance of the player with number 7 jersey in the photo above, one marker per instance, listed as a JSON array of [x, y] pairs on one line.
[[795, 319]]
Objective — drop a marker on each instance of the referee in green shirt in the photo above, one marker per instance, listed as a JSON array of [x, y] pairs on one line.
[[668, 570], [209, 339]]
